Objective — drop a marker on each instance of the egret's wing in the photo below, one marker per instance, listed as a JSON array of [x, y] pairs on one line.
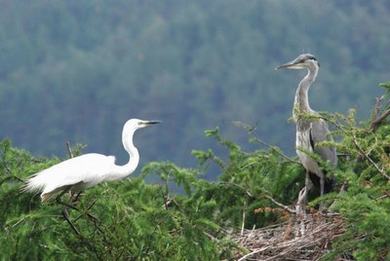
[[88, 168], [319, 132]]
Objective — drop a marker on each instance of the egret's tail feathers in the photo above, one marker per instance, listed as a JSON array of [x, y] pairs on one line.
[[33, 184]]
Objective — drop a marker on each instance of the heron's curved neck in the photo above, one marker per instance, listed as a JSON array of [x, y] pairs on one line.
[[301, 102], [125, 170]]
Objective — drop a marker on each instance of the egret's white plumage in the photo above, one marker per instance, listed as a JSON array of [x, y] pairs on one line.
[[87, 170]]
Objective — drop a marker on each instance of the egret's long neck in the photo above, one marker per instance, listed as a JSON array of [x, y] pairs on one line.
[[133, 153], [301, 102], [123, 171]]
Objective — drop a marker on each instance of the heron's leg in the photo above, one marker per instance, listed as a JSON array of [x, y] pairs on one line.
[[322, 184], [300, 209], [308, 183], [308, 186], [301, 202], [302, 197]]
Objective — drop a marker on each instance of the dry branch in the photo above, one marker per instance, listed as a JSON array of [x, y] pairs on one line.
[[377, 120], [69, 149], [280, 204]]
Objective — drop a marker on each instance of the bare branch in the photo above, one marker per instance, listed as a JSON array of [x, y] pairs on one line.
[[375, 123], [377, 107], [280, 204], [65, 215], [70, 153]]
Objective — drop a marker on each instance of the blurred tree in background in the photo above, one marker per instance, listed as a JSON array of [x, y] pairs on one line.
[[77, 70]]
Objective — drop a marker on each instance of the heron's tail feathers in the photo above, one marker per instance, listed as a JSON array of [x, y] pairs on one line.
[[329, 185]]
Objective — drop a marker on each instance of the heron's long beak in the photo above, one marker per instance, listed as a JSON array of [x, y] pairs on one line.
[[286, 65]]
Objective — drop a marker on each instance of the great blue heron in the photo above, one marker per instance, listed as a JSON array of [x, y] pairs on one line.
[[87, 170], [310, 132]]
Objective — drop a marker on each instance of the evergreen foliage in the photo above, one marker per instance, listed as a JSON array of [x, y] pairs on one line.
[[134, 220]]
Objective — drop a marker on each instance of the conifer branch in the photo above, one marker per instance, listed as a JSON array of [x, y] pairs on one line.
[[277, 151], [251, 129], [367, 157], [238, 186]]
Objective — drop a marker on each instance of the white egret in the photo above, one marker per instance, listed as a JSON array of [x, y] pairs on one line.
[[87, 170]]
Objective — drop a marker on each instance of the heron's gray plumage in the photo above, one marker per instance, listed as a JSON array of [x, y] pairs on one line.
[[309, 132], [319, 132]]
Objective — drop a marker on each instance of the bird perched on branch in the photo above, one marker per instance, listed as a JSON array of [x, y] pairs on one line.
[[310, 131], [87, 170]]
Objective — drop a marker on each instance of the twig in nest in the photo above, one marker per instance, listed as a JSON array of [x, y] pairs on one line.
[[253, 253], [280, 204], [243, 219]]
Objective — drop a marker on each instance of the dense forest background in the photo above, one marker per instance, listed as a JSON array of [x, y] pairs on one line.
[[77, 70]]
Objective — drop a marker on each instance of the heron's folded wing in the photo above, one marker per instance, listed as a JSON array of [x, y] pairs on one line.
[[319, 132]]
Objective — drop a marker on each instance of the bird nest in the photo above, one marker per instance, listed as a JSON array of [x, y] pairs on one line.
[[308, 238]]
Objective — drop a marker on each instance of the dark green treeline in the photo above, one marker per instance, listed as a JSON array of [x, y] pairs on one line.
[[76, 70]]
